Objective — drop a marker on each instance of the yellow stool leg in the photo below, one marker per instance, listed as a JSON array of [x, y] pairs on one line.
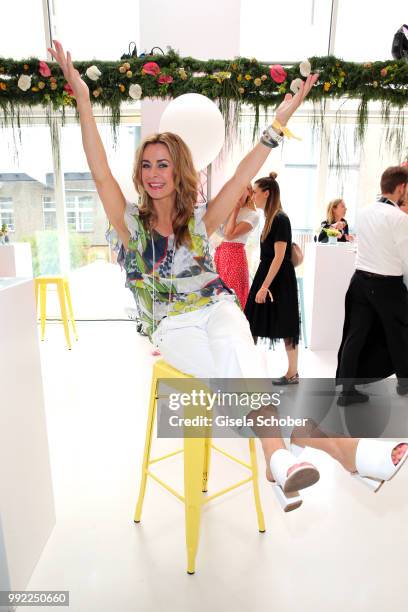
[[207, 461], [61, 295], [254, 466], [147, 448], [70, 311], [193, 482], [43, 302]]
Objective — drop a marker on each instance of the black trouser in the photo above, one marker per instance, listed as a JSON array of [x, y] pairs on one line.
[[373, 299]]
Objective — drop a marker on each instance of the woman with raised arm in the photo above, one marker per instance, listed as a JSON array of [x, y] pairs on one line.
[[185, 306]]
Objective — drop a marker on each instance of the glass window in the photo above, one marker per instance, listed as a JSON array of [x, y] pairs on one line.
[[25, 179], [49, 212], [7, 213], [344, 169], [286, 32], [22, 32], [365, 29], [80, 213], [115, 28]]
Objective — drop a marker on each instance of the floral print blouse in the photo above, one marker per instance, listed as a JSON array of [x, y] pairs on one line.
[[164, 280]]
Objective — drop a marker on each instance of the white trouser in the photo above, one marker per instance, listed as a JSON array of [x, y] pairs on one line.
[[213, 342]]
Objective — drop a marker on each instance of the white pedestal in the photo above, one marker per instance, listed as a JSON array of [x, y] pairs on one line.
[[15, 260], [27, 513], [328, 270]]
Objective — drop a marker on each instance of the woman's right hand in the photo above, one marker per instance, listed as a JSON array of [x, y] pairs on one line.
[[79, 87]]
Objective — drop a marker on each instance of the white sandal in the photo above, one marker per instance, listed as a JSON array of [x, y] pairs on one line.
[[287, 487], [374, 462]]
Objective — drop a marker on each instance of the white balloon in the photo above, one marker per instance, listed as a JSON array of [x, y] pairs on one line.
[[198, 121]]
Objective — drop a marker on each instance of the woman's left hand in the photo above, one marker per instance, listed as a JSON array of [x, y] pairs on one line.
[[290, 103], [262, 294]]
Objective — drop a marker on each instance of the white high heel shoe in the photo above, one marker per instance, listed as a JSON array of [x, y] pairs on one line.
[[287, 486], [374, 462]]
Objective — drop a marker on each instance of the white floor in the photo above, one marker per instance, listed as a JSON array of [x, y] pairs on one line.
[[344, 548]]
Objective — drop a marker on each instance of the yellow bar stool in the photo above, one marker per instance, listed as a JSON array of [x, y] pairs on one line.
[[41, 283], [197, 456]]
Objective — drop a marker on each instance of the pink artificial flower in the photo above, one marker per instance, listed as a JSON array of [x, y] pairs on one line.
[[69, 89], [383, 72], [278, 74], [44, 69], [165, 79], [151, 68]]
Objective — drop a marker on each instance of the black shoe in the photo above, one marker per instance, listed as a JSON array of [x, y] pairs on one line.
[[352, 397], [402, 389], [293, 380]]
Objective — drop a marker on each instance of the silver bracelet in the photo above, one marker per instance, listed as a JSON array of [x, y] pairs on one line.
[[271, 138]]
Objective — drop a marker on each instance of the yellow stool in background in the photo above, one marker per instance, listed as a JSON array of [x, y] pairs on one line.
[[197, 454], [64, 295]]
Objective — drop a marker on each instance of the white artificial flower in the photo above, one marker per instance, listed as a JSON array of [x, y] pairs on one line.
[[24, 82], [295, 85], [305, 68], [135, 91], [93, 73]]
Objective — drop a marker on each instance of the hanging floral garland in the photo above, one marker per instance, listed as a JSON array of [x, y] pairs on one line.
[[33, 82]]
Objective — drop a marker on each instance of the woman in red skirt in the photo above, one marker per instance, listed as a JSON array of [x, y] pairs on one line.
[[230, 257]]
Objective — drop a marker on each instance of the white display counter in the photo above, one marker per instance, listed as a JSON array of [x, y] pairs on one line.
[[27, 513], [15, 260], [328, 270]]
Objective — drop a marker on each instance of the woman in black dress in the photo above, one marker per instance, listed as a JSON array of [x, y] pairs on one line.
[[335, 220], [272, 307]]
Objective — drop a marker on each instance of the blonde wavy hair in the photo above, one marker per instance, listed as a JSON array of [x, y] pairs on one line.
[[185, 180], [273, 203], [330, 217]]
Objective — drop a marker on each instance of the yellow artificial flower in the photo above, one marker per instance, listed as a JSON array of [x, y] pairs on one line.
[[182, 74], [241, 90], [122, 69], [122, 88], [220, 76], [35, 89], [3, 86], [41, 84], [239, 77], [248, 77], [327, 86], [258, 82], [129, 74]]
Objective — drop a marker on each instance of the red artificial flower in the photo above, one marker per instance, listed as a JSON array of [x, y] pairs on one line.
[[69, 89], [151, 68], [44, 69], [278, 74], [165, 79], [383, 72]]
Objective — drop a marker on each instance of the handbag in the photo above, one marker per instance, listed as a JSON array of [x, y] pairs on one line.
[[296, 255]]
